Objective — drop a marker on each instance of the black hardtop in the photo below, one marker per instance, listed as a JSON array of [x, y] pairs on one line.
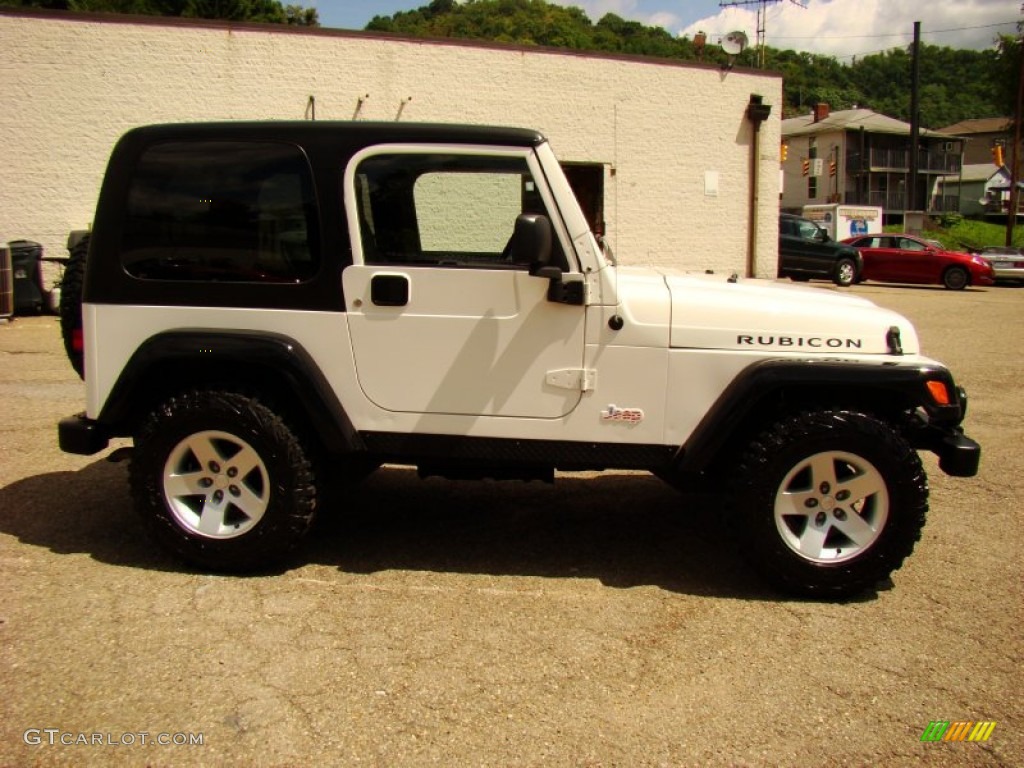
[[349, 131], [328, 146]]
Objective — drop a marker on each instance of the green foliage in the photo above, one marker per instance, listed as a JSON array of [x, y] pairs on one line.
[[269, 11], [960, 234], [955, 84]]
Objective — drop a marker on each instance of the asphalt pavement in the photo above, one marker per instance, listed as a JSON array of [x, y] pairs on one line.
[[599, 621]]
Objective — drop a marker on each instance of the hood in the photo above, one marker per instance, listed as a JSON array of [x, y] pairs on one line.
[[709, 312]]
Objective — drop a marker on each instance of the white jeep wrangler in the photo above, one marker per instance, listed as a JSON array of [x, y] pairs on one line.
[[267, 305]]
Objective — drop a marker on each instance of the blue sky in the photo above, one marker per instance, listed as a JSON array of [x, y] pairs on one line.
[[842, 28]]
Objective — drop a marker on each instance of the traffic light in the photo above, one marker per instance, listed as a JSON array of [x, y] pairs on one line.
[[784, 152], [997, 155]]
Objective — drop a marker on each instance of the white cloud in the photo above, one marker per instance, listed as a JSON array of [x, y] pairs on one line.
[[627, 9], [857, 27]]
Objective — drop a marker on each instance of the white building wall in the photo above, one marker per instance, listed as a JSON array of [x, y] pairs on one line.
[[70, 86]]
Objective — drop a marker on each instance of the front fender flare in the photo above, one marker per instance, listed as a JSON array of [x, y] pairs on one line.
[[832, 381]]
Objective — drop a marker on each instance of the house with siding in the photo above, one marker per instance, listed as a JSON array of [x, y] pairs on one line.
[[861, 157], [981, 136]]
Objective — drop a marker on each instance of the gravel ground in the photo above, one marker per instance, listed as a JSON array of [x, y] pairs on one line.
[[600, 621]]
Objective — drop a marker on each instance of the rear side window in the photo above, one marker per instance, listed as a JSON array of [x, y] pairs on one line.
[[221, 211]]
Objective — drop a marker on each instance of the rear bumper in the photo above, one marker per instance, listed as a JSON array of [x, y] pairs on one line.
[[81, 435], [1008, 273]]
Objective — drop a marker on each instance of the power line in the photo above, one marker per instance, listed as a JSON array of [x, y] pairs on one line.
[[895, 34], [762, 15]]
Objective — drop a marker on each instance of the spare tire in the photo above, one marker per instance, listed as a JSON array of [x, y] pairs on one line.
[[71, 301]]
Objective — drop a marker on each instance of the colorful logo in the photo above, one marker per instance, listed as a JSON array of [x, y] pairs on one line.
[[965, 730]]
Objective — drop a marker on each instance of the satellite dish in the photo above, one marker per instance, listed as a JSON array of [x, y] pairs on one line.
[[734, 43]]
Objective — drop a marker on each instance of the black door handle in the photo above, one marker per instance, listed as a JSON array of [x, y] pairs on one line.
[[389, 290]]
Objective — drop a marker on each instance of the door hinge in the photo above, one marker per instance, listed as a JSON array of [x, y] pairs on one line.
[[583, 379]]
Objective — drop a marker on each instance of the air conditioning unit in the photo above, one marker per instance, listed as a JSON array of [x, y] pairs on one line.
[[6, 283]]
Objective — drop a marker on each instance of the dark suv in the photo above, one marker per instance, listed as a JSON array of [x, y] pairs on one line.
[[806, 251]]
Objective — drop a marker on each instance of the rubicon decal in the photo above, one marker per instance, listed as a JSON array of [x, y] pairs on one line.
[[627, 415], [963, 730], [812, 342]]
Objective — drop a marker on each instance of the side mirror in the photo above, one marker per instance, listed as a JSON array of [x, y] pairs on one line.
[[531, 241]]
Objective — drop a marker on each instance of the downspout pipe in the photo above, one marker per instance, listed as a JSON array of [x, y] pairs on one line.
[[757, 113]]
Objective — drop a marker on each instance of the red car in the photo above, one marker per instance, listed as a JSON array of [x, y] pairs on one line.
[[899, 258]]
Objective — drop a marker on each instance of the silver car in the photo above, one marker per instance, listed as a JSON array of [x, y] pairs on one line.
[[1008, 263]]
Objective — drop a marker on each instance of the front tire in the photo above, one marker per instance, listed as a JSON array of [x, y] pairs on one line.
[[222, 481], [830, 503], [956, 278]]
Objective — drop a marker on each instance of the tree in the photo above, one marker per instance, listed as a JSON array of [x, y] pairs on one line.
[[270, 11]]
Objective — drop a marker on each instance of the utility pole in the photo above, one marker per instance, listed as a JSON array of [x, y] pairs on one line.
[[915, 117], [762, 15], [1011, 212]]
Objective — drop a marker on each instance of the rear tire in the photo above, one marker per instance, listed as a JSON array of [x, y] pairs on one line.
[[71, 305], [831, 502], [222, 481]]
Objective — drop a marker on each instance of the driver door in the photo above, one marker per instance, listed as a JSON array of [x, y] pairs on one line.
[[440, 320]]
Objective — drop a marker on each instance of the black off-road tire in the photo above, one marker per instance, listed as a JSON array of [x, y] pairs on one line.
[[830, 503], [222, 481], [71, 305]]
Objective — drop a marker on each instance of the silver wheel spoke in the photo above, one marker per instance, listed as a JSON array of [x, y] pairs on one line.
[[812, 541], [823, 470], [856, 528], [245, 461], [819, 516], [235, 491], [794, 503], [184, 485], [202, 448], [211, 519], [250, 503], [860, 487]]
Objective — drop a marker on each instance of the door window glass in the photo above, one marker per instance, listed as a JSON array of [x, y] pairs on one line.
[[444, 209]]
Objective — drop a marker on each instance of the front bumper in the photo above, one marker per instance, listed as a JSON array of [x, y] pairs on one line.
[[80, 434], [959, 456]]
